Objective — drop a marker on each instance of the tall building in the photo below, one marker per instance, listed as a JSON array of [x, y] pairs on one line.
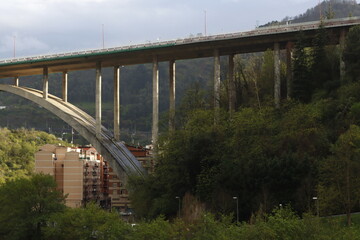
[[82, 174]]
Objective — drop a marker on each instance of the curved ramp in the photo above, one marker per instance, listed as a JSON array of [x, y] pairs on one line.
[[115, 152]]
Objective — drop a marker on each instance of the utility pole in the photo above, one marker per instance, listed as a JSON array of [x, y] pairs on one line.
[[14, 46], [205, 24], [103, 37]]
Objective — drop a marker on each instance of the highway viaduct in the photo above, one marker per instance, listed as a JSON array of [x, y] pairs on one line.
[[276, 38]]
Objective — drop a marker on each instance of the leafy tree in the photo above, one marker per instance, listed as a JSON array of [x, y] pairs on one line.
[[340, 181], [158, 229], [90, 222], [26, 205]]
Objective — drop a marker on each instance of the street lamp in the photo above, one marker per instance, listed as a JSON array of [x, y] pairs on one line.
[[177, 197], [317, 206], [237, 208]]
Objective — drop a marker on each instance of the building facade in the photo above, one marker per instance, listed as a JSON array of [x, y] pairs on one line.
[[83, 176]]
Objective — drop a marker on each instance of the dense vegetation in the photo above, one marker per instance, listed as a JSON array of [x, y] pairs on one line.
[[326, 9], [17, 149], [262, 155], [32, 208]]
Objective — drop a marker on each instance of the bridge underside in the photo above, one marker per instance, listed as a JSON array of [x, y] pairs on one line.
[[115, 153]]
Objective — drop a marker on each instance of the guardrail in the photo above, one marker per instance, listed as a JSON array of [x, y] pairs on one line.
[[197, 39]]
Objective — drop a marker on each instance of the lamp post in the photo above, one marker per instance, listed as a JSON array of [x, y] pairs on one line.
[[177, 197], [317, 206], [237, 208]]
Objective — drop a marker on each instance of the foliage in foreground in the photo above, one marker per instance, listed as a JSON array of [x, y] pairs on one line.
[[31, 208], [26, 205], [281, 224]]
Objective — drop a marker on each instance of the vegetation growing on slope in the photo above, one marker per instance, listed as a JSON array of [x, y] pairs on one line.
[[262, 155], [17, 149]]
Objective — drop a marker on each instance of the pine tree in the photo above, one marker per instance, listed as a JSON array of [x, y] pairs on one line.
[[319, 63], [302, 90], [351, 55]]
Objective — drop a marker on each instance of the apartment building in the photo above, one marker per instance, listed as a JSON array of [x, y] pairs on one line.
[[82, 174]]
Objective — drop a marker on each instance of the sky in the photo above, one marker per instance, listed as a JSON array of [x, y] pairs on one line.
[[37, 27]]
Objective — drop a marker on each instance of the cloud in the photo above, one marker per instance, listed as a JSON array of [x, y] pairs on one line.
[[22, 44], [77, 24]]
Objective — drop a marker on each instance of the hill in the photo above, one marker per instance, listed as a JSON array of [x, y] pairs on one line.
[[325, 9]]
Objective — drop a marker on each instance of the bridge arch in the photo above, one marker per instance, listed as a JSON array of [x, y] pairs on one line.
[[115, 152]]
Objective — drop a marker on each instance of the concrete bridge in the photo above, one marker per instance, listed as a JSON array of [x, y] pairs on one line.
[[276, 38]]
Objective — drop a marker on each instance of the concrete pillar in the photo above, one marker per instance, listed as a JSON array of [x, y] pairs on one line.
[[65, 86], [277, 79], [98, 101], [172, 81], [45, 82], [232, 92], [117, 103], [155, 114], [342, 47], [16, 81], [289, 72], [216, 79]]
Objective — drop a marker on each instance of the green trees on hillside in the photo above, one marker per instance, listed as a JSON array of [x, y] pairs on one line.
[[340, 181], [351, 54], [261, 156], [26, 205], [17, 149], [265, 156]]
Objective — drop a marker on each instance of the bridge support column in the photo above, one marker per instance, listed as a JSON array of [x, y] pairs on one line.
[[172, 81], [45, 82], [232, 92], [98, 101], [342, 47], [289, 73], [117, 103], [16, 81], [65, 86], [277, 79], [155, 114], [216, 79]]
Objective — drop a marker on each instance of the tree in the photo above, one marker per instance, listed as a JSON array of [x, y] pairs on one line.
[[351, 55], [90, 222], [319, 63], [340, 180], [302, 90], [26, 205]]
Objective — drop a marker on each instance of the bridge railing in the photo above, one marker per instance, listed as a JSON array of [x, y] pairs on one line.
[[197, 39]]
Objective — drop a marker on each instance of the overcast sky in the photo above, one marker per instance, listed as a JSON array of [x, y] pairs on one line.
[[51, 26]]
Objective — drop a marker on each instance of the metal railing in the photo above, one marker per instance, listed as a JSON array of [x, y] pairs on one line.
[[196, 39]]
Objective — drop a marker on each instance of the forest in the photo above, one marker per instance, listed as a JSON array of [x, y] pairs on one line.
[[266, 156]]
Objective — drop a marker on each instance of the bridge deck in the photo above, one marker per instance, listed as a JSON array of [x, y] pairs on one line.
[[256, 40]]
